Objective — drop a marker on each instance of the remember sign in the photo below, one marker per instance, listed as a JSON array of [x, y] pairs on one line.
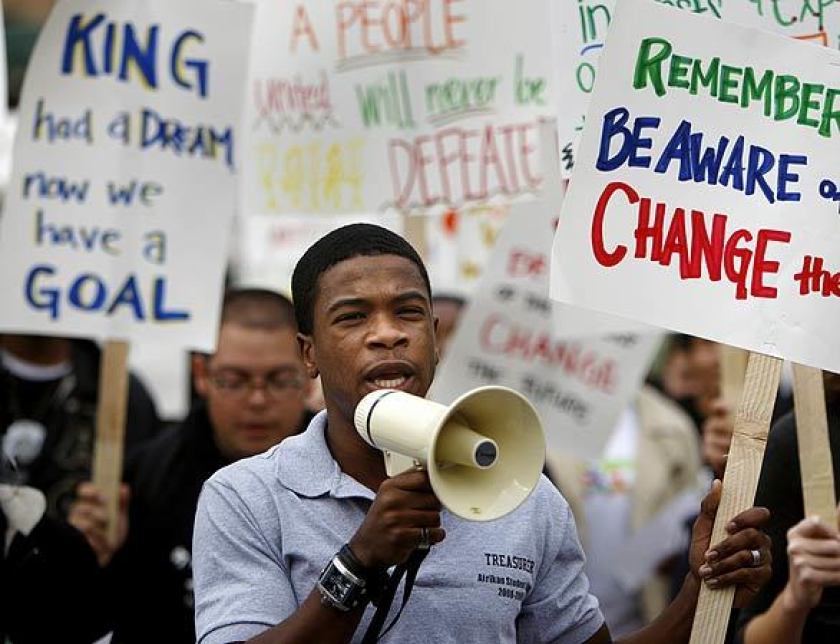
[[707, 191]]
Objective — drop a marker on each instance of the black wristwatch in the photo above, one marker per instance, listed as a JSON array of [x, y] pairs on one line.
[[346, 584]]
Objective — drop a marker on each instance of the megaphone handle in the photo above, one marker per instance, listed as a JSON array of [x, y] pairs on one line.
[[398, 463]]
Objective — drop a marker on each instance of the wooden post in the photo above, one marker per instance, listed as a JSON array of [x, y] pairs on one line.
[[814, 447], [110, 428], [414, 226], [733, 371], [752, 423]]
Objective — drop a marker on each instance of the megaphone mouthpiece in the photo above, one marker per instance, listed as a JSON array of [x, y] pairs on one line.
[[459, 444]]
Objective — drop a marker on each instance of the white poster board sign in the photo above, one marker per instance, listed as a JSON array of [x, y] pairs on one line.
[[361, 106], [459, 244], [815, 21], [506, 336], [580, 30], [270, 246], [707, 190], [124, 180]]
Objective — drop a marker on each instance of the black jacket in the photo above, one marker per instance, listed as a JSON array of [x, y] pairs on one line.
[[780, 490], [152, 573], [51, 586], [151, 576], [70, 419]]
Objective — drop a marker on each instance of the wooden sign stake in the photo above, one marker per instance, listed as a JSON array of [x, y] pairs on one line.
[[733, 371], [414, 228], [749, 439], [814, 447], [110, 428]]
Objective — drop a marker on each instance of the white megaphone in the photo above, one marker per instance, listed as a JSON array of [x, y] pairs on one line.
[[484, 452]]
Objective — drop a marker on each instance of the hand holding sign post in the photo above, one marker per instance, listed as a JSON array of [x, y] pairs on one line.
[[752, 422], [126, 152]]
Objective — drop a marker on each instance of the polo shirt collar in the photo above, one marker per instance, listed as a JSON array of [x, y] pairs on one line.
[[306, 466]]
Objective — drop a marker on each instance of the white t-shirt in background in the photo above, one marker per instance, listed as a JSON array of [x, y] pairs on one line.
[[608, 504]]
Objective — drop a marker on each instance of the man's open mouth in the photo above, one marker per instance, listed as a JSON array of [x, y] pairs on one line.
[[390, 375], [392, 383]]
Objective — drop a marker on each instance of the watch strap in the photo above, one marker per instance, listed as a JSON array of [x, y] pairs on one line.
[[375, 579], [353, 589]]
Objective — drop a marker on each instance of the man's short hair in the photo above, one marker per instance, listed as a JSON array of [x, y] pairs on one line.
[[337, 246], [257, 308]]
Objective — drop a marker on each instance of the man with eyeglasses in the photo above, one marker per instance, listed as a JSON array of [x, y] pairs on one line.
[[252, 394]]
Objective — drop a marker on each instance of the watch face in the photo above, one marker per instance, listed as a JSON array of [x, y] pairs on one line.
[[337, 585]]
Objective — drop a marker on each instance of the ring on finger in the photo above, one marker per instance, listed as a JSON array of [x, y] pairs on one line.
[[424, 543], [756, 558]]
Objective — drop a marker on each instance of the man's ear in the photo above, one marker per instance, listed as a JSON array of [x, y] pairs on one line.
[[308, 354], [437, 346], [201, 377]]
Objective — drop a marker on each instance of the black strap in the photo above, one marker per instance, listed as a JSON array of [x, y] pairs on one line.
[[409, 569]]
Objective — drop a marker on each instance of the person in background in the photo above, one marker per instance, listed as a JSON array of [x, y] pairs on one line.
[[292, 545], [648, 472], [49, 576], [48, 398], [688, 374], [252, 393], [448, 309], [801, 602]]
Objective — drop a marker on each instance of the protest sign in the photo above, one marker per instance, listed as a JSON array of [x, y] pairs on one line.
[[459, 244], [358, 106], [815, 21], [271, 246], [580, 30], [706, 195], [117, 218], [506, 336], [579, 33]]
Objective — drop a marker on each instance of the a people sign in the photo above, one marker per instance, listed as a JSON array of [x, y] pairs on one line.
[[361, 105], [707, 193], [118, 211]]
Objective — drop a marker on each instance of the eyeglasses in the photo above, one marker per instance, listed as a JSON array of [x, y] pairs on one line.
[[240, 384]]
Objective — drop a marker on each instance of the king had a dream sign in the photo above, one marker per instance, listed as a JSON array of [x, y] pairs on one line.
[[706, 198], [118, 213]]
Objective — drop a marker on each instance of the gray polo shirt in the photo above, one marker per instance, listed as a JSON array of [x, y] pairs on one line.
[[267, 525]]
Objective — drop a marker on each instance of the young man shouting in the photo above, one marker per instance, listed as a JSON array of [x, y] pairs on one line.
[[290, 545]]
